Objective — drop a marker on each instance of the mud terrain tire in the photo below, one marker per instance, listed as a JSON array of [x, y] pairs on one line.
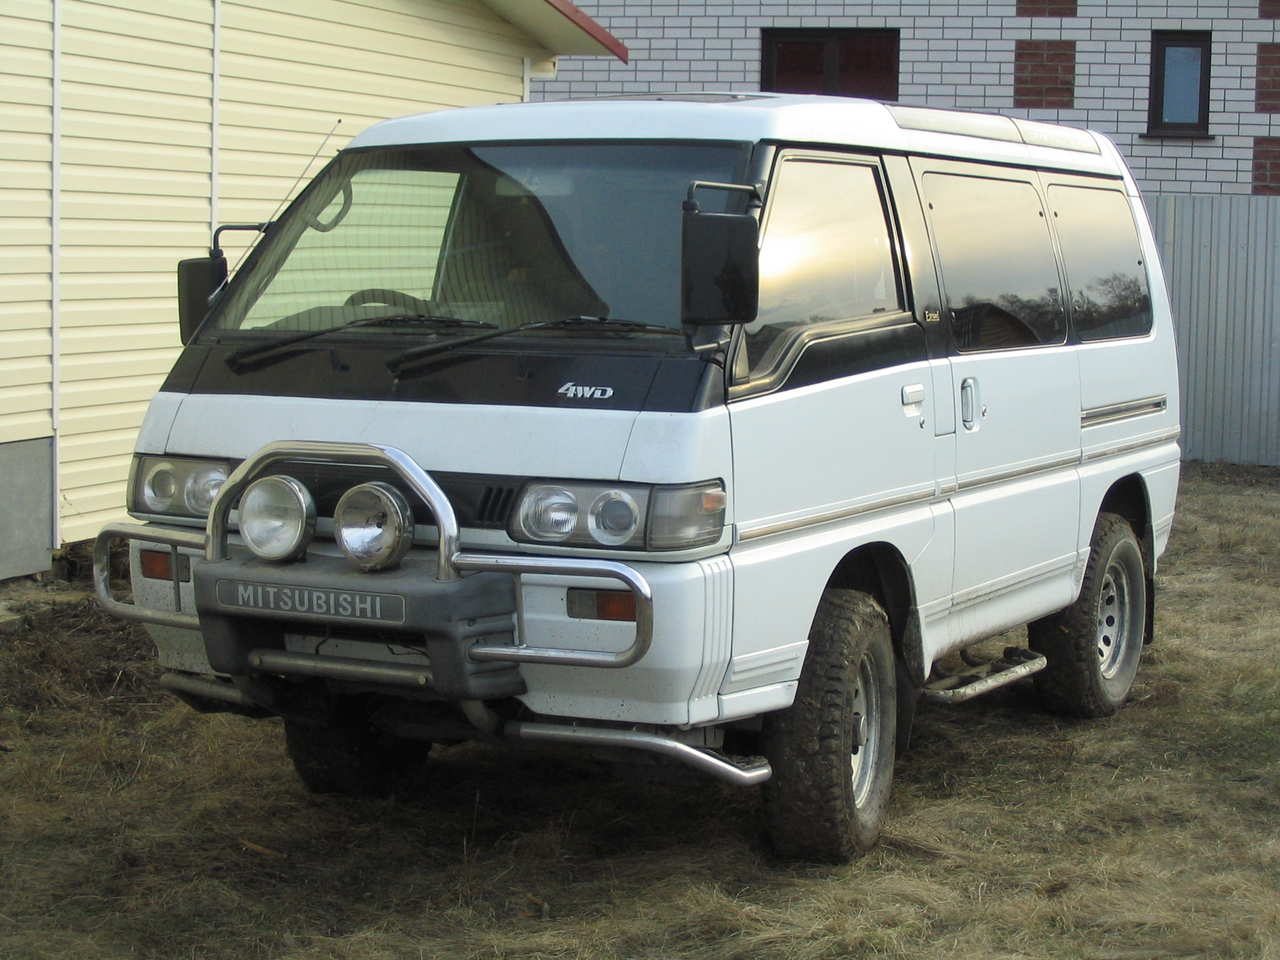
[[828, 795], [1094, 645]]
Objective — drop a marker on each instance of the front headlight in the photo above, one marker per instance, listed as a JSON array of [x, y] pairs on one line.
[[626, 516], [178, 486], [277, 518]]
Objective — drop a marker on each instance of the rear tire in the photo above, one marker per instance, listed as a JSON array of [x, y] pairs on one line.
[[832, 750], [353, 758], [1094, 645]]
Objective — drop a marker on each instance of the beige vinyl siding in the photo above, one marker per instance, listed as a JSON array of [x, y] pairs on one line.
[[26, 182], [136, 88], [138, 144], [287, 77]]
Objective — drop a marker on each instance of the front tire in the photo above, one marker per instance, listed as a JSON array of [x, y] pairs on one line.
[[1094, 645], [832, 750]]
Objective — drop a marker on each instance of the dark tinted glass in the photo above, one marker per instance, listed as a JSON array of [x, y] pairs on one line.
[[1109, 294], [997, 262], [852, 63], [826, 256]]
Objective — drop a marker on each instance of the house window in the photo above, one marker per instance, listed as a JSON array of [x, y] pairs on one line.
[[1179, 84], [849, 63]]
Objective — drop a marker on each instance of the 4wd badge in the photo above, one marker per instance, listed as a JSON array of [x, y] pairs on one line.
[[576, 391]]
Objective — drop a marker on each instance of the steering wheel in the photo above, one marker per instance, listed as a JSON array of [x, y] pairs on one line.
[[393, 298]]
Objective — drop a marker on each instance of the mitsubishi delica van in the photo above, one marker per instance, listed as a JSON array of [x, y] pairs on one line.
[[686, 430]]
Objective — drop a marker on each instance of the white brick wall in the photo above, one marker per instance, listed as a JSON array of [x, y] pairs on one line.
[[957, 54]]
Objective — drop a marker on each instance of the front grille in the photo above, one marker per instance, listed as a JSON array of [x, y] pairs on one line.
[[479, 500]]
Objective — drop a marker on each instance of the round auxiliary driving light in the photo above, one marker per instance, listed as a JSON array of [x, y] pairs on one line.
[[277, 518], [373, 525]]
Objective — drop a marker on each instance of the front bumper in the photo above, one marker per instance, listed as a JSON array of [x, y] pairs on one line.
[[438, 593]]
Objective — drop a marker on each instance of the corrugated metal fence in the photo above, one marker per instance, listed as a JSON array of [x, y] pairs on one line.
[[1222, 259]]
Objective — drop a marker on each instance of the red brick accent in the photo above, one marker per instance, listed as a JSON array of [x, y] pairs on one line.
[[1268, 78], [1266, 165], [1044, 73], [1057, 8], [1269, 8]]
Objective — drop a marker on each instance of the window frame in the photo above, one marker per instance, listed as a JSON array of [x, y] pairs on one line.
[[829, 38], [744, 384], [1161, 41], [921, 167], [1109, 185]]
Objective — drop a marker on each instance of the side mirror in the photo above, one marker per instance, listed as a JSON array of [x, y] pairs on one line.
[[720, 266], [198, 278]]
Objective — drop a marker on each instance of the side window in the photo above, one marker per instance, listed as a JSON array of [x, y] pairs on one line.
[[1109, 293], [826, 256], [998, 266]]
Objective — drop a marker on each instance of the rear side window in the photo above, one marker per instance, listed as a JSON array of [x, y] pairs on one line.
[[1109, 293], [997, 260], [826, 256]]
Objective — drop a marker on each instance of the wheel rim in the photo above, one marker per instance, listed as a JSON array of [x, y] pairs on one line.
[[1114, 619], [866, 731]]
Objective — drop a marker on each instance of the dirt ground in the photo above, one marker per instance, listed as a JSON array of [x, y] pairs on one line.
[[131, 826]]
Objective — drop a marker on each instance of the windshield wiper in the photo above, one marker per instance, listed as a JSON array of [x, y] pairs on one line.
[[258, 351], [419, 356]]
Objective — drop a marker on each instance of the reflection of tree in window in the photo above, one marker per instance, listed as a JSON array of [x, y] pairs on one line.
[[1011, 321], [998, 265], [1109, 293], [1120, 308]]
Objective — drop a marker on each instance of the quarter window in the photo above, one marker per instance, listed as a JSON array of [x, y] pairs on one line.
[[1108, 280], [826, 256], [997, 260]]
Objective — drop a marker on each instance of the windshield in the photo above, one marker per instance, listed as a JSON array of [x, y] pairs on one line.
[[496, 236]]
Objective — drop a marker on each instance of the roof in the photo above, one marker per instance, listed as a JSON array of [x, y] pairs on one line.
[[560, 27], [787, 118]]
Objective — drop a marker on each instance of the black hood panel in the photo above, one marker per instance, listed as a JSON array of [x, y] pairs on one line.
[[343, 371]]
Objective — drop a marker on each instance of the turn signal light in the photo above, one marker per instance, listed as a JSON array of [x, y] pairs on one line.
[[158, 565], [601, 604]]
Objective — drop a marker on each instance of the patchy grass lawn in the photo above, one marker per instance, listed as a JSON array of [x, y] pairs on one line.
[[131, 826]]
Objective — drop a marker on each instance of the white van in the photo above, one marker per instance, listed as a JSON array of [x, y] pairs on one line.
[[690, 429]]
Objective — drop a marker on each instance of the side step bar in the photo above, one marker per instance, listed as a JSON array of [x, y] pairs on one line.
[[710, 763], [1014, 664]]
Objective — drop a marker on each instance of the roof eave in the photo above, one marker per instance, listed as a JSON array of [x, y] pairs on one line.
[[561, 27]]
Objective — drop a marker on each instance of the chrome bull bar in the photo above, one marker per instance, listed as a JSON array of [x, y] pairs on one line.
[[451, 560]]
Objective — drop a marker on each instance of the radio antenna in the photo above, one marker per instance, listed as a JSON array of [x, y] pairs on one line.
[[289, 193]]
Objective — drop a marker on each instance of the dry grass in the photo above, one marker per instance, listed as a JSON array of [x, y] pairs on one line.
[[133, 827]]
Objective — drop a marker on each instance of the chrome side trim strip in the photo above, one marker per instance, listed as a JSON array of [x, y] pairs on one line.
[[1047, 465], [1023, 578], [1127, 410], [1154, 439], [753, 530]]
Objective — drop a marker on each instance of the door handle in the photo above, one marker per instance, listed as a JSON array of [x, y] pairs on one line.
[[912, 394], [969, 401]]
